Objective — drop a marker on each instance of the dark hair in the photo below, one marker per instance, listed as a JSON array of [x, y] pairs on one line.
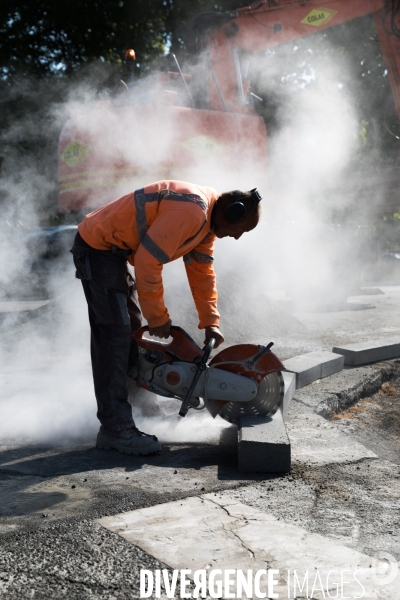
[[253, 209]]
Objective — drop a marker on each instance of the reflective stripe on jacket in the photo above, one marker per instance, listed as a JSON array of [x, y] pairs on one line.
[[161, 222]]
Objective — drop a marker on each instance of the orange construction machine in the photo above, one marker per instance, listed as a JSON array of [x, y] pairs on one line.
[[201, 131]]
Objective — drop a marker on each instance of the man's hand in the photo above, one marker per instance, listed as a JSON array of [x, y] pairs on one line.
[[213, 332], [163, 331]]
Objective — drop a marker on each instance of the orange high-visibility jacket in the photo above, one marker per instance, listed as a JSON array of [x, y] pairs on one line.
[[161, 222]]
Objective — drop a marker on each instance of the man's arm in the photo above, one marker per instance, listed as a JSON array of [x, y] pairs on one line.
[[202, 281]]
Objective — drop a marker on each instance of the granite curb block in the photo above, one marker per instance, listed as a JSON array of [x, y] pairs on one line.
[[290, 388], [313, 365], [263, 443], [264, 446], [363, 353], [331, 396]]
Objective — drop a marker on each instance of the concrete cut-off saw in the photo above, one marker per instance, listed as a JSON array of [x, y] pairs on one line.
[[242, 380]]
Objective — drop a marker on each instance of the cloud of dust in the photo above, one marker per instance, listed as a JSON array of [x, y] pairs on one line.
[[47, 393], [300, 247], [192, 429], [46, 381]]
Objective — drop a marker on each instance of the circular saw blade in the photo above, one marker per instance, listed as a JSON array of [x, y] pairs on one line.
[[269, 398]]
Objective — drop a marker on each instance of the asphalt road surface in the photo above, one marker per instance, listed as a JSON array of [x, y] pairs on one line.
[[55, 487]]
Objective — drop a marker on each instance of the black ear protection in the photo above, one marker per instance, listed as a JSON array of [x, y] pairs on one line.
[[236, 212]]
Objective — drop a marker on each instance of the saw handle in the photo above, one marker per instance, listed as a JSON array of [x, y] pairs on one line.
[[175, 332], [173, 329], [179, 347], [201, 366], [208, 349]]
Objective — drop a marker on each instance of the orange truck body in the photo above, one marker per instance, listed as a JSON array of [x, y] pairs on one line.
[[116, 150]]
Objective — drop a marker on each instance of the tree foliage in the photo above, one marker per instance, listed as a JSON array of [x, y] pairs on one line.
[[48, 37]]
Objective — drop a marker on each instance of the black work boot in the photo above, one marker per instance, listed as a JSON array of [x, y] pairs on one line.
[[128, 441]]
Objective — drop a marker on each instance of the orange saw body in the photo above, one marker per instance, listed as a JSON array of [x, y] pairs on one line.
[[241, 380]]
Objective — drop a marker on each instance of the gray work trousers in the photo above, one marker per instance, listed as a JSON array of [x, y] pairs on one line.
[[114, 316]]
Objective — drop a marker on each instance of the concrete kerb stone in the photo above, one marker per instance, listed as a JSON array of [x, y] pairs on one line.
[[290, 388], [313, 365], [342, 390], [264, 446], [363, 353]]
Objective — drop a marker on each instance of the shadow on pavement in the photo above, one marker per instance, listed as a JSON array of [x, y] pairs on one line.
[[26, 466], [56, 462]]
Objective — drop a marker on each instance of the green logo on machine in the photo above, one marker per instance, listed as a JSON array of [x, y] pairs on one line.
[[319, 16], [75, 153], [204, 145]]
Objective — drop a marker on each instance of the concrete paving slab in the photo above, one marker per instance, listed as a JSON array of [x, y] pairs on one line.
[[313, 365], [317, 441], [228, 535], [290, 388], [264, 446], [370, 291], [372, 351]]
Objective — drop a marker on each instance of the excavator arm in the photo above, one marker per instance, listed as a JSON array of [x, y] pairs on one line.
[[269, 23]]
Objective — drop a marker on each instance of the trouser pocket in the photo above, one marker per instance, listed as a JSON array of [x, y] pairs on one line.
[[82, 265]]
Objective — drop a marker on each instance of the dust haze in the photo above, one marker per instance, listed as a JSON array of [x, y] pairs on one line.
[[294, 254]]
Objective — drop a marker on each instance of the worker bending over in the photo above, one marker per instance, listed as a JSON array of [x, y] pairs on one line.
[[154, 225]]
